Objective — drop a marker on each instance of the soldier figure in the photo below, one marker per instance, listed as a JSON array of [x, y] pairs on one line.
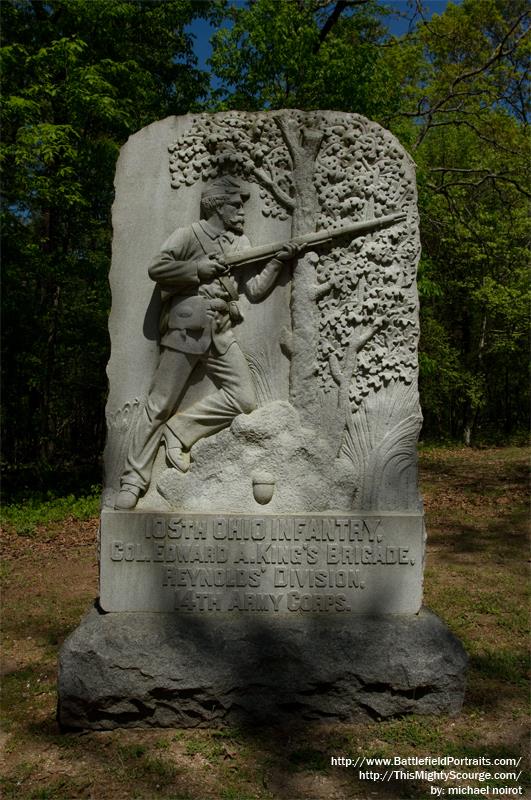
[[199, 311]]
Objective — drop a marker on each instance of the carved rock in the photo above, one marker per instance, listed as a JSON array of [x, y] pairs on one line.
[[143, 670], [306, 474]]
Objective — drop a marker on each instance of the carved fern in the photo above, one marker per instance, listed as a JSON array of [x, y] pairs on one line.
[[120, 423], [380, 440]]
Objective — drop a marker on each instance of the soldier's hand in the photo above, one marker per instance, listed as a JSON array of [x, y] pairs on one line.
[[288, 252], [210, 267]]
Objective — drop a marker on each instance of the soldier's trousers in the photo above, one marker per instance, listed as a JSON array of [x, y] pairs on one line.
[[235, 395]]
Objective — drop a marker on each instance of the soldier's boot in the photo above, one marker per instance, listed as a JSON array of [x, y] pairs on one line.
[[176, 455], [127, 497]]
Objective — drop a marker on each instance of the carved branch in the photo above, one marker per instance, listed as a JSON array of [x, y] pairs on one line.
[[286, 342], [335, 369], [299, 151], [351, 358], [286, 129], [283, 198], [360, 341], [312, 140], [321, 289]]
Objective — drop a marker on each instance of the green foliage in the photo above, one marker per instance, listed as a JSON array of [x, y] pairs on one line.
[[78, 79], [278, 54], [23, 517], [472, 151]]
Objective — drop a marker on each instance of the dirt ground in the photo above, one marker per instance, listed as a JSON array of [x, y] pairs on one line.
[[476, 580]]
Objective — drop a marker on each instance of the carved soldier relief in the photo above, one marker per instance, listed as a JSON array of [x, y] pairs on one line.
[[284, 295], [261, 478]]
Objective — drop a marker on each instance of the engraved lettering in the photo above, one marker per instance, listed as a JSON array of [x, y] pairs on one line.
[[281, 577], [214, 602], [244, 563], [117, 551], [220, 529], [171, 552], [371, 526], [174, 529], [356, 530], [158, 551], [312, 554], [316, 602], [236, 602], [282, 530], [158, 530], [202, 577]]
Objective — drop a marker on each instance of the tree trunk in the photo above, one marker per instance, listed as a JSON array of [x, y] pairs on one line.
[[303, 147]]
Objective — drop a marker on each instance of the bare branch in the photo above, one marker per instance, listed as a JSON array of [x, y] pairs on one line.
[[502, 50], [336, 12], [491, 176], [480, 135], [497, 54], [330, 22], [458, 169]]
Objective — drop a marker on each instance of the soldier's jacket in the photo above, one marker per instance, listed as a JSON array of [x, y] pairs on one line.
[[196, 314]]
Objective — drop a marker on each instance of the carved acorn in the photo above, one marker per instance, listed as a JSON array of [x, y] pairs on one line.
[[263, 487]]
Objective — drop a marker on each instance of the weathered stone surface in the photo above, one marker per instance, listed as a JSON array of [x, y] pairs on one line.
[[143, 670], [326, 563]]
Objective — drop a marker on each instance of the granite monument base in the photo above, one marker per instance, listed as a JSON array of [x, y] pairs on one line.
[[184, 670]]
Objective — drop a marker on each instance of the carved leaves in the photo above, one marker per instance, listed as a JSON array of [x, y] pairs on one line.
[[361, 173], [368, 329], [247, 146], [368, 308]]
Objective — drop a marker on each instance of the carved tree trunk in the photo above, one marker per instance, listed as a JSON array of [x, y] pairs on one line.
[[303, 147]]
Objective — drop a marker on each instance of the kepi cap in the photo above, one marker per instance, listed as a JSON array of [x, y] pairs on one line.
[[225, 185]]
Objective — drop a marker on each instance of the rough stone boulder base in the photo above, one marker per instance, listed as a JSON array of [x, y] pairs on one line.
[[140, 670]]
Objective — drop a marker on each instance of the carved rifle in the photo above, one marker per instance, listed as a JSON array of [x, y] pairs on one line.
[[311, 240]]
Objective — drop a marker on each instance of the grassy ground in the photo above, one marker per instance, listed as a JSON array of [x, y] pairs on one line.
[[476, 579]]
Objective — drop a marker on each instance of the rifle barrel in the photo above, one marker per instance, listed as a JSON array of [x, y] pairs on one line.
[[264, 251]]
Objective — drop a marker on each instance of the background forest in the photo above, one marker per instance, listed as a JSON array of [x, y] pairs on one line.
[[80, 76]]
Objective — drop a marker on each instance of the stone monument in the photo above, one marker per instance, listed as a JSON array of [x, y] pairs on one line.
[[262, 538]]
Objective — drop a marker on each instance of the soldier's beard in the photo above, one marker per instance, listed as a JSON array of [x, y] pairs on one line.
[[236, 226]]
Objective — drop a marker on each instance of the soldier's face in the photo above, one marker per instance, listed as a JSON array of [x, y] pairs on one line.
[[232, 214]]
